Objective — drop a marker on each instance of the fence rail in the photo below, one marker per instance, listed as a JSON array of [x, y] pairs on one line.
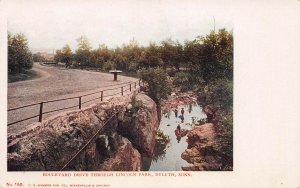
[[80, 101]]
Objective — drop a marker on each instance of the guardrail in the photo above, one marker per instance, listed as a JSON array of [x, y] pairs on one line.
[[79, 104]]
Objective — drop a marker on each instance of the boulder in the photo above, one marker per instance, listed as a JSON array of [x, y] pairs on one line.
[[127, 158], [205, 133], [140, 128], [200, 150]]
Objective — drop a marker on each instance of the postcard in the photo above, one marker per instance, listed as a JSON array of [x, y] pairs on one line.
[[150, 93]]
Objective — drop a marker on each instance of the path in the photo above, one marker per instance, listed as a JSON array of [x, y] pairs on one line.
[[56, 83]]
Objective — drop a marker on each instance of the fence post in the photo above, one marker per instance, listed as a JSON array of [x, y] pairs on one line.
[[130, 87], [79, 102], [41, 112], [101, 95], [122, 90]]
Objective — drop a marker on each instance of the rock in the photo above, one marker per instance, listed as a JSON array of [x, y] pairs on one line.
[[210, 112], [129, 107], [181, 133], [189, 154], [141, 129], [51, 144], [204, 133], [200, 150], [127, 158]]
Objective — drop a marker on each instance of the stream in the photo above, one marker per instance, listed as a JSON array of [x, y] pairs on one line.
[[169, 158]]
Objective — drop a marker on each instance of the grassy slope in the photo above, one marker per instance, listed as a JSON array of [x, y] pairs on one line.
[[25, 75]]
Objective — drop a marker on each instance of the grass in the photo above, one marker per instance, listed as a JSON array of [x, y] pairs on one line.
[[24, 75], [129, 74]]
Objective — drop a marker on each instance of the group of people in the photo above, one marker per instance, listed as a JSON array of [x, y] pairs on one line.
[[178, 131], [182, 119]]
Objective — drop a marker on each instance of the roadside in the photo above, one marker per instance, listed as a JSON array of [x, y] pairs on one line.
[[23, 76], [57, 83]]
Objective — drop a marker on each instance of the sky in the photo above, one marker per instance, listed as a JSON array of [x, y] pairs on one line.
[[53, 24]]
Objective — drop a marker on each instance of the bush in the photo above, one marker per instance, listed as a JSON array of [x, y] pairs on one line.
[[218, 93], [136, 105], [162, 143], [109, 65], [156, 78], [183, 80], [224, 142], [19, 56]]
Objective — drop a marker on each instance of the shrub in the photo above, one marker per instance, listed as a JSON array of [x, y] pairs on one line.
[[218, 93], [136, 105], [162, 143], [109, 65], [156, 78], [183, 80], [19, 56], [224, 142]]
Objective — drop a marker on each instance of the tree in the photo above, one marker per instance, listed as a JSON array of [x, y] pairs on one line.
[[64, 55], [101, 55], [58, 56], [151, 56], [83, 53], [133, 55], [156, 78], [37, 57], [215, 53], [171, 53], [67, 55], [19, 56]]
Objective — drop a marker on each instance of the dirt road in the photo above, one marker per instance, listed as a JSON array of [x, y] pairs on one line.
[[56, 83]]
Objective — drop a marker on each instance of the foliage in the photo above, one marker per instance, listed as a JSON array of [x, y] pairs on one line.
[[207, 57], [37, 57], [171, 53], [136, 104], [109, 65], [151, 56], [162, 142], [219, 93], [101, 55], [156, 78], [19, 56], [211, 56], [83, 53], [224, 141], [65, 56], [183, 80]]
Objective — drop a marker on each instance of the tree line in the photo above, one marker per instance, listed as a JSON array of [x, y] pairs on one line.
[[166, 54]]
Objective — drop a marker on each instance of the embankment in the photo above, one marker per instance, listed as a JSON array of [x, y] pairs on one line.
[[114, 136]]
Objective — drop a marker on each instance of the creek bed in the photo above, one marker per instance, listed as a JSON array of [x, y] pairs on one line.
[[170, 158]]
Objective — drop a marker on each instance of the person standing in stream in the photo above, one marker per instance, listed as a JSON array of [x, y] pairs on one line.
[[176, 112]]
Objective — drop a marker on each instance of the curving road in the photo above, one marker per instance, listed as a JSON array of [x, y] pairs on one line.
[[56, 83]]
